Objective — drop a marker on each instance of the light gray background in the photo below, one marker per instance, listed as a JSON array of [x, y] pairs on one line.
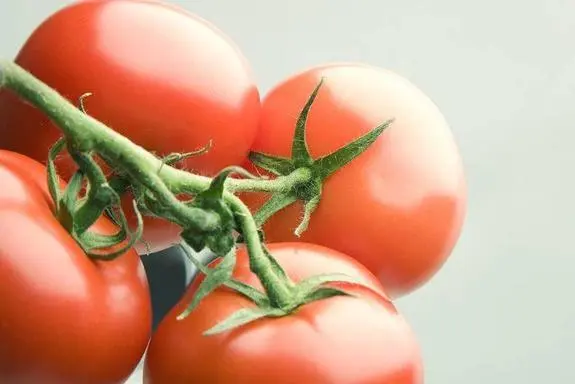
[[503, 72]]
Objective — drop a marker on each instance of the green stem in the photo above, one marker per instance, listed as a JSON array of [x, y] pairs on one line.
[[183, 182], [100, 194], [210, 225], [274, 204], [278, 290], [85, 134]]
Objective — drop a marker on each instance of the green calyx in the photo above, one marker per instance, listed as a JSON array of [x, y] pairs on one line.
[[82, 203], [309, 189], [304, 292]]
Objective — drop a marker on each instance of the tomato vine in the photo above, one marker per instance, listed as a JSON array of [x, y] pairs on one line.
[[210, 215]]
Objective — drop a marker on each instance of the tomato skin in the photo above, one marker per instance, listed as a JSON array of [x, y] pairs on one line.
[[64, 318], [342, 340], [159, 75], [399, 207]]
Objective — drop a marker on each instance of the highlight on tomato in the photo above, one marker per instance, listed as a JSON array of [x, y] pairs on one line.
[[161, 76], [64, 318], [399, 207], [356, 339]]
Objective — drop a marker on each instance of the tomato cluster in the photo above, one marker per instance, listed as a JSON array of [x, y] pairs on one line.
[[173, 83]]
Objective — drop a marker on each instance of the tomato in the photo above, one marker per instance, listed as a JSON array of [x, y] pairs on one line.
[[63, 318], [159, 75], [399, 207], [344, 340]]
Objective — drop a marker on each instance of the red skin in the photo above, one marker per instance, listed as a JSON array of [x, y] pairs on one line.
[[341, 340], [64, 318]]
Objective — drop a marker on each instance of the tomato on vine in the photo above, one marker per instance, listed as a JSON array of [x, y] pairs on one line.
[[398, 208], [385, 184], [63, 317], [359, 339], [159, 75]]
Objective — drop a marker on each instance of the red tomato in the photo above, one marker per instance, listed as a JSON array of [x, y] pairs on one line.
[[159, 75], [344, 340], [63, 318], [399, 207]]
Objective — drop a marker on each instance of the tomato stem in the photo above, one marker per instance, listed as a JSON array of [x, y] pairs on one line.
[[210, 218], [274, 204], [84, 134], [277, 289]]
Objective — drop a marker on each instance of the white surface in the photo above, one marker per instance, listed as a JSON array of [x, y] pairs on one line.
[[503, 72], [137, 376]]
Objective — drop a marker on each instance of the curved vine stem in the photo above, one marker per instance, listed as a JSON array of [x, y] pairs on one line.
[[86, 134], [210, 218]]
